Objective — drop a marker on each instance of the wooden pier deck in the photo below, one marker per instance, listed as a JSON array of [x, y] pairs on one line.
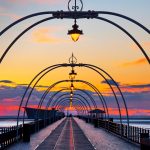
[[67, 136]]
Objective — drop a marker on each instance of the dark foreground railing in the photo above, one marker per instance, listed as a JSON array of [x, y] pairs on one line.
[[9, 135], [133, 134]]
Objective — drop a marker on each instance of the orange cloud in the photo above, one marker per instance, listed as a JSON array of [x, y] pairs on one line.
[[140, 61], [45, 35], [145, 45], [12, 16]]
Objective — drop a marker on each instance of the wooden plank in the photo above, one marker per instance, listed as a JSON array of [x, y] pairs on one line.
[[67, 136]]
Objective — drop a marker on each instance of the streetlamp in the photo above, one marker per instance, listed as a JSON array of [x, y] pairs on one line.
[[75, 12], [71, 94], [75, 32], [72, 74]]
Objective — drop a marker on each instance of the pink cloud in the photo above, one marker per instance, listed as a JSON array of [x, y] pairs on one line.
[[2, 8], [145, 45], [46, 35], [37, 1]]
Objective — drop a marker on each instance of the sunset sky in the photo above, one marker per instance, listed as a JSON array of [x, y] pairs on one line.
[[102, 45]]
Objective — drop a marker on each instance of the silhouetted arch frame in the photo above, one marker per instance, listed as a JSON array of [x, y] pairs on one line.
[[65, 89], [56, 83], [41, 75], [78, 15], [75, 96], [87, 83], [87, 108], [76, 89], [65, 100], [45, 94], [51, 98], [78, 103], [80, 109]]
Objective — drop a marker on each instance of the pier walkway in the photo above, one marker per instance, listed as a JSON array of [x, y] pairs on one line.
[[71, 134], [67, 136]]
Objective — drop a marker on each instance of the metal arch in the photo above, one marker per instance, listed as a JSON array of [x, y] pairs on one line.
[[101, 97], [55, 102], [79, 108], [92, 99], [79, 101], [75, 96], [21, 34], [25, 18], [59, 65], [97, 91], [51, 98], [52, 12], [63, 108], [23, 97], [126, 18], [49, 88], [78, 104], [124, 101], [127, 33], [82, 107], [44, 95], [75, 104], [60, 15], [117, 101]]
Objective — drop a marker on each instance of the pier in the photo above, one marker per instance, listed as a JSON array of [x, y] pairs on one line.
[[72, 105], [67, 136], [74, 133]]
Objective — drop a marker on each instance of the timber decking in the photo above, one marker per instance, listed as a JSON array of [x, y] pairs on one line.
[[67, 136]]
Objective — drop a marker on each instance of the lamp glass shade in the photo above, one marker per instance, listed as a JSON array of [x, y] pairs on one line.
[[75, 36]]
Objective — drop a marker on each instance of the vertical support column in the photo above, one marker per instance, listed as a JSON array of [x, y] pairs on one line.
[[145, 141], [26, 133]]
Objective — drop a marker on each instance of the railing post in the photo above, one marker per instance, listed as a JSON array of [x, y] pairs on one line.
[[26, 133], [144, 141], [95, 122]]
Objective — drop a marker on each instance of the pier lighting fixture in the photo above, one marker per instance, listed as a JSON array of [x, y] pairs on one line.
[[75, 32], [72, 87], [71, 94], [72, 74]]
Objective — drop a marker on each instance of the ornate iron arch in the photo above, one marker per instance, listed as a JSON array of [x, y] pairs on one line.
[[76, 15]]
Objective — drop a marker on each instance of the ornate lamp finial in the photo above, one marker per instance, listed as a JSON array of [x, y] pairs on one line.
[[75, 7], [72, 59]]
